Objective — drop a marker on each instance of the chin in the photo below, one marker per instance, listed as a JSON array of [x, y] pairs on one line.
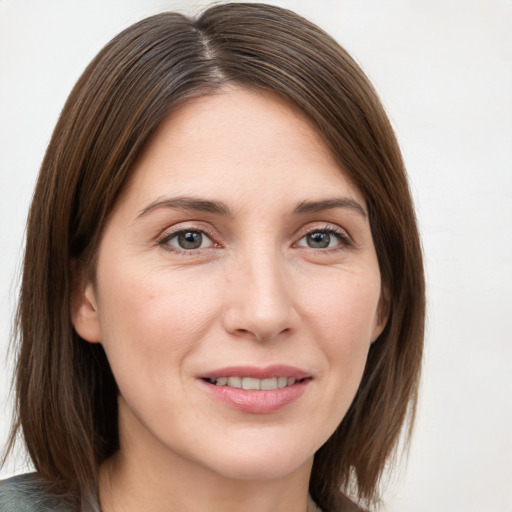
[[269, 469], [265, 462]]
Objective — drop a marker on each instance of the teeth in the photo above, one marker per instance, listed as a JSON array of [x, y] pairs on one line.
[[251, 383], [268, 383], [234, 382]]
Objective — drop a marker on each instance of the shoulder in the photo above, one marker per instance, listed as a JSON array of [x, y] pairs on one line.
[[24, 493]]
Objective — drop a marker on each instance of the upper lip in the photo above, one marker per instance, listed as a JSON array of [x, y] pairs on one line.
[[268, 372]]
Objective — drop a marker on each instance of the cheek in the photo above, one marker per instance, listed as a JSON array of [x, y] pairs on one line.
[[342, 316], [345, 307], [151, 319]]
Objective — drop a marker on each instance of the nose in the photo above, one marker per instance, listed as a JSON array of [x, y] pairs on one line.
[[259, 298]]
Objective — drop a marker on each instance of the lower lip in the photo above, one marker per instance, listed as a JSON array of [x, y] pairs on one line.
[[256, 401]]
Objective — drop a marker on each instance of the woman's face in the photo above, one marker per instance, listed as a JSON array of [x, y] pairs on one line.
[[238, 255]]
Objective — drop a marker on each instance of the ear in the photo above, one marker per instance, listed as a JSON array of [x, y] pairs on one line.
[[382, 315], [84, 306]]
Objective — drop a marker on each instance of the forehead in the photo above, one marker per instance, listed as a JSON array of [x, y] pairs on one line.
[[237, 141]]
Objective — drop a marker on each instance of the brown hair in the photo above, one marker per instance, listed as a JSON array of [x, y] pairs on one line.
[[66, 394]]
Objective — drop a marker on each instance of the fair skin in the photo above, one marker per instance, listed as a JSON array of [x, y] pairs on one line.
[[237, 249]]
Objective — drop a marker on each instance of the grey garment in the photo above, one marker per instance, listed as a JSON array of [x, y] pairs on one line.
[[25, 493]]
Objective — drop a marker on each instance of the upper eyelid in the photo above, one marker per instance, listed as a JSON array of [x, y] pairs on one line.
[[343, 238], [331, 227], [200, 226], [174, 230]]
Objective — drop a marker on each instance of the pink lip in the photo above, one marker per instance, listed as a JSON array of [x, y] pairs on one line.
[[277, 370], [256, 401]]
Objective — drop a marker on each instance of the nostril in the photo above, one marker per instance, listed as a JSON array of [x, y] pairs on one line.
[[261, 319]]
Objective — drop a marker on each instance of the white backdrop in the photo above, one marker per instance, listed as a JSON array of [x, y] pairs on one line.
[[444, 72]]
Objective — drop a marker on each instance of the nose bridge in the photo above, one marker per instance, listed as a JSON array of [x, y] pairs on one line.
[[259, 296]]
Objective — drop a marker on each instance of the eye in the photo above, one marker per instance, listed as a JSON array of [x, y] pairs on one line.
[[188, 240], [323, 239]]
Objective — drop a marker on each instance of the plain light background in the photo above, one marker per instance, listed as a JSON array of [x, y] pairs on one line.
[[444, 73]]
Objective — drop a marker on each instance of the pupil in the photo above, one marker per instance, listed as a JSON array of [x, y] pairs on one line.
[[319, 240], [190, 240]]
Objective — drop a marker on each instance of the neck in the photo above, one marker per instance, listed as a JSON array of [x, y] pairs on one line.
[[146, 475], [125, 487]]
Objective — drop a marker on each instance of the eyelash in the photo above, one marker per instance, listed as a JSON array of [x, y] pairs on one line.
[[163, 241], [167, 236], [341, 235]]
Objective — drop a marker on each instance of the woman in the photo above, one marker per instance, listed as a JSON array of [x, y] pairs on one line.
[[222, 302]]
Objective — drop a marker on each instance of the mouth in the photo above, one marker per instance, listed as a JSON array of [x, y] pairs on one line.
[[252, 383], [256, 390]]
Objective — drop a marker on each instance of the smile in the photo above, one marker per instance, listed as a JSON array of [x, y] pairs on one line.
[[256, 390], [254, 384]]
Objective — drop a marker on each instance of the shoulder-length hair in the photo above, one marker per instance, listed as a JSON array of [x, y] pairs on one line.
[[66, 395]]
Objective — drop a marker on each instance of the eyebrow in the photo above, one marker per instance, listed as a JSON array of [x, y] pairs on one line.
[[195, 204], [187, 203], [329, 204]]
